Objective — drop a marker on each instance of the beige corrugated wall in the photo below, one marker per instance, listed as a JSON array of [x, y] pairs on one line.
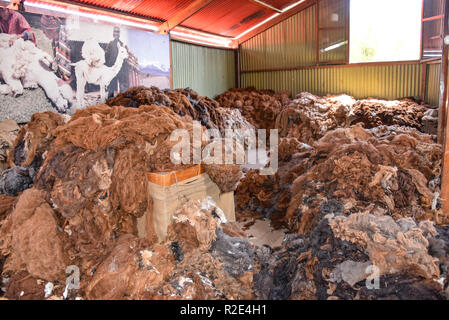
[[291, 44], [208, 71], [433, 83], [389, 82]]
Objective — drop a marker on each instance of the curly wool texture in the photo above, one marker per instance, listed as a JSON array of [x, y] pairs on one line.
[[259, 107], [8, 133], [215, 156], [392, 175], [95, 173], [7, 204], [323, 266], [15, 180], [31, 238], [184, 102], [34, 139], [93, 176], [132, 270], [183, 267], [392, 247], [197, 228], [267, 195], [193, 227], [405, 112], [310, 117]]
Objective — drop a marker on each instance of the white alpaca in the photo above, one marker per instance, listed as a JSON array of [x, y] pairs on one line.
[[14, 62], [92, 69], [23, 65], [40, 75]]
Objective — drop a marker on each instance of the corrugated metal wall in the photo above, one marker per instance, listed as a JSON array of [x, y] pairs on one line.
[[433, 84], [208, 71], [389, 82], [291, 44]]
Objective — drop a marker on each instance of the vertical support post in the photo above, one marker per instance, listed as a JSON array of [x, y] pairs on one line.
[[423, 81], [442, 124], [317, 27], [237, 67], [443, 116]]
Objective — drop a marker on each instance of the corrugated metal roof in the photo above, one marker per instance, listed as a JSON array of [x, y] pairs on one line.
[[228, 17], [157, 9], [222, 17]]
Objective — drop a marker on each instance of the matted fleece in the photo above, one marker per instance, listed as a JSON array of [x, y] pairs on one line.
[[205, 257], [184, 102], [90, 188], [368, 213], [309, 117], [8, 133], [259, 107], [27, 152], [391, 170], [362, 256]]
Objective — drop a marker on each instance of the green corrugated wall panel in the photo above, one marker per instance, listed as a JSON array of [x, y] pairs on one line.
[[290, 43], [433, 84], [208, 71], [388, 81]]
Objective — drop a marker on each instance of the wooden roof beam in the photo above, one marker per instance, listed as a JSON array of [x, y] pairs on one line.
[[266, 5], [301, 5], [183, 15]]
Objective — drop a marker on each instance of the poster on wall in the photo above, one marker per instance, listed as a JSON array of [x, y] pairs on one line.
[[66, 63]]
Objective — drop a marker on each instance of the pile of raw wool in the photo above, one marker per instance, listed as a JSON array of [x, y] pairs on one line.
[[260, 107], [203, 257], [8, 133], [309, 117], [362, 256], [385, 171], [89, 190], [390, 169], [27, 152], [404, 112], [268, 196], [184, 102]]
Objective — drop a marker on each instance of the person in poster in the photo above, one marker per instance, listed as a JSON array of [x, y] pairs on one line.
[[121, 81], [13, 22]]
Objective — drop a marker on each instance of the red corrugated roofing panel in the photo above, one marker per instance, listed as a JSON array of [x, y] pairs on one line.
[[158, 9], [222, 17], [228, 17]]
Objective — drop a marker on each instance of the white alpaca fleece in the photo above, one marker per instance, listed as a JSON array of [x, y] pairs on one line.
[[93, 54], [23, 65], [93, 70], [14, 64]]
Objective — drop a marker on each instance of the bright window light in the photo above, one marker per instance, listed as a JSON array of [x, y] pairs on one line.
[[385, 30]]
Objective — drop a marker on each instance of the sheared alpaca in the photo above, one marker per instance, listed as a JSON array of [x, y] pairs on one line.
[[23, 65], [93, 70]]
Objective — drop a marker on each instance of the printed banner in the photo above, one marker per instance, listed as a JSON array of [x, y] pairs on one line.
[[62, 64]]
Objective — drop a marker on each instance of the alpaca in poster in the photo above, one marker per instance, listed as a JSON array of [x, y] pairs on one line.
[[93, 70], [23, 65]]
